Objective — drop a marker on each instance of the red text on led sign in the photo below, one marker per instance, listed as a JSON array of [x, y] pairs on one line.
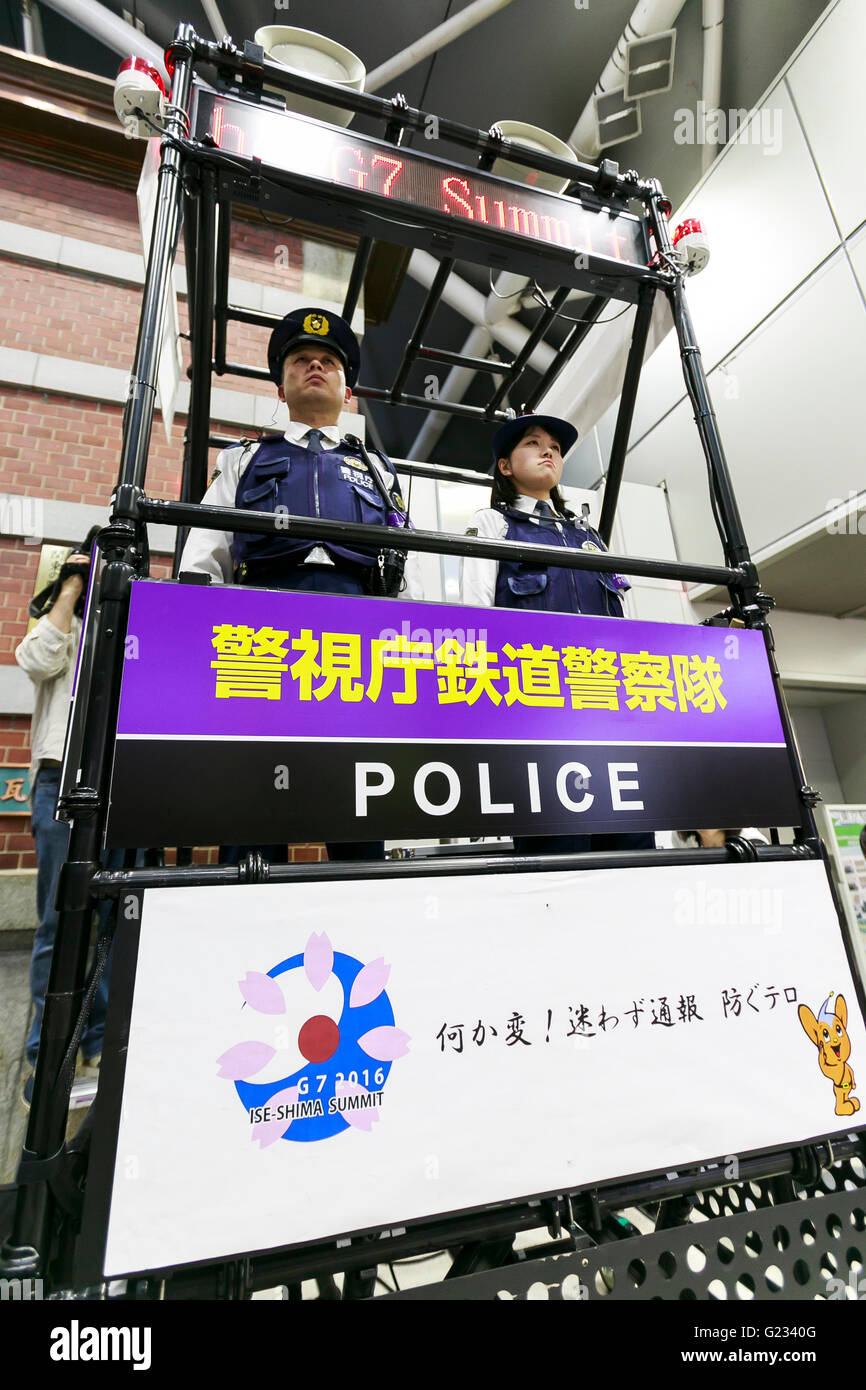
[[411, 180]]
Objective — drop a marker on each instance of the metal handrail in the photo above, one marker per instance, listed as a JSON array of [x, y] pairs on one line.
[[167, 512]]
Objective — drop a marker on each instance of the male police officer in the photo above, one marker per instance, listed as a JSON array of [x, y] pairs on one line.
[[313, 357], [311, 470]]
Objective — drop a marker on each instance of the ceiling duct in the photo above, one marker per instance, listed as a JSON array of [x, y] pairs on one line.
[[616, 118], [31, 26], [649, 18], [649, 65], [713, 19], [454, 388], [431, 43], [471, 303], [112, 31], [218, 25]]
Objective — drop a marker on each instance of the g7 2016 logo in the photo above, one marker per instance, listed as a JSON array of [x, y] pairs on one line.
[[321, 1041]]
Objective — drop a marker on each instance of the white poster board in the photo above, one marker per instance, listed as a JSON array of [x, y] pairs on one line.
[[483, 1008]]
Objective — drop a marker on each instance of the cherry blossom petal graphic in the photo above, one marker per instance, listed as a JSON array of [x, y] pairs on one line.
[[262, 993], [267, 1132], [358, 1119], [244, 1060], [283, 1031], [386, 1044], [318, 959], [369, 983]]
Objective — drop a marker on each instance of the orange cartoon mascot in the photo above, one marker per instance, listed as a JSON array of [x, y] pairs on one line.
[[829, 1034]]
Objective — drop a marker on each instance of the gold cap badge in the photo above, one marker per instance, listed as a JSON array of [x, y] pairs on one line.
[[316, 323]]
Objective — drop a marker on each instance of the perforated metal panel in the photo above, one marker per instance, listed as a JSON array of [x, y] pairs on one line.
[[844, 1176], [751, 1248]]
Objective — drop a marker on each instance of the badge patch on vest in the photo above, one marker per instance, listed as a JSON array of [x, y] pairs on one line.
[[591, 545], [471, 531], [316, 323], [355, 463], [353, 475]]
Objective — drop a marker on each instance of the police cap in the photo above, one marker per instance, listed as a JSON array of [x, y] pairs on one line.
[[317, 326], [511, 433]]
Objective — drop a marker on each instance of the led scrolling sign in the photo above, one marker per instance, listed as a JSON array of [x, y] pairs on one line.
[[298, 145]]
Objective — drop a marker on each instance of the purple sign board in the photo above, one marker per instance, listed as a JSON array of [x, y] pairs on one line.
[[258, 717]]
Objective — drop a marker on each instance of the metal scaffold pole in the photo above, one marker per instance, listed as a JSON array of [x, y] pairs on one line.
[[29, 1251], [752, 605]]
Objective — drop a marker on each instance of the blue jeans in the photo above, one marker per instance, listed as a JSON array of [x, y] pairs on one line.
[[52, 839]]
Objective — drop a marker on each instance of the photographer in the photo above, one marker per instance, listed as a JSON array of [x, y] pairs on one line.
[[48, 655]]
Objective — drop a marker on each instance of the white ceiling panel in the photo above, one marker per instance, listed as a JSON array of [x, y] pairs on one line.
[[857, 252], [755, 260], [584, 465], [768, 225], [827, 84], [790, 415]]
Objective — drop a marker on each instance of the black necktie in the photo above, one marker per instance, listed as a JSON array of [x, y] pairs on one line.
[[545, 513], [314, 441]]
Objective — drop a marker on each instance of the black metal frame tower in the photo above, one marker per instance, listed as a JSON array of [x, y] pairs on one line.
[[198, 182]]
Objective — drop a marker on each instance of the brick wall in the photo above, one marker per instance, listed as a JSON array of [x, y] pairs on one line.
[[62, 314], [18, 564], [66, 315], [67, 448], [75, 207], [57, 202], [268, 255]]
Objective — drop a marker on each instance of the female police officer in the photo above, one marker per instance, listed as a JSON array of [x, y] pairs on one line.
[[527, 506]]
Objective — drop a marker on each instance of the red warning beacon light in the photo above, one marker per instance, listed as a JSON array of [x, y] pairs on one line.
[[691, 238], [139, 93]]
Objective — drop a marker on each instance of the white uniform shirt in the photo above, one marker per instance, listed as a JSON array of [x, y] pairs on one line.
[[48, 657], [210, 552], [478, 577]]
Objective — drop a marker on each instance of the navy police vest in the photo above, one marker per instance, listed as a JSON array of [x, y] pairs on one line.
[[550, 588], [335, 484]]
